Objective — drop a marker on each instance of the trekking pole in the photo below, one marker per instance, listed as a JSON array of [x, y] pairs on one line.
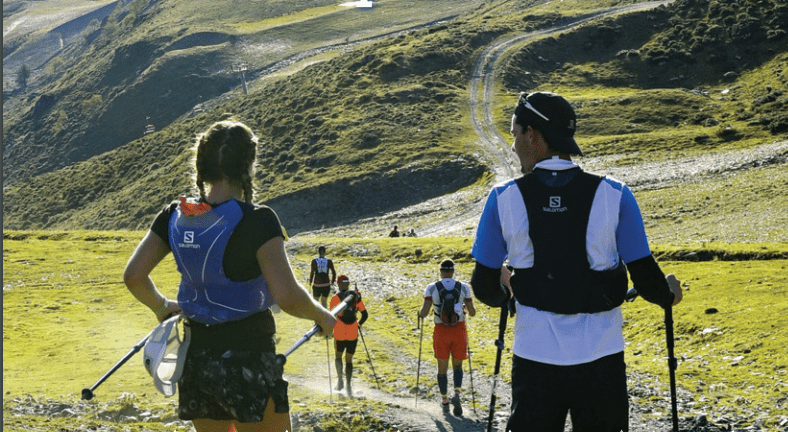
[[420, 322], [328, 361], [360, 333], [671, 365], [87, 393], [499, 344], [473, 392], [281, 359]]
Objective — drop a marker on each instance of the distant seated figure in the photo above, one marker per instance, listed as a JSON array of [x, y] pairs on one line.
[[411, 233], [394, 232]]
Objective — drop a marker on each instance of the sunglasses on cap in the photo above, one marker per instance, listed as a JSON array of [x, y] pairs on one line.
[[524, 102]]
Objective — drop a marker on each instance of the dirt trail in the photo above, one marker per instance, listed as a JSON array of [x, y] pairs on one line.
[[482, 86], [402, 412], [649, 408], [466, 205]]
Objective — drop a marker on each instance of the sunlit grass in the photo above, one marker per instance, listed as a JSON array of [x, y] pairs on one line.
[[67, 318], [293, 18], [735, 207], [730, 336]]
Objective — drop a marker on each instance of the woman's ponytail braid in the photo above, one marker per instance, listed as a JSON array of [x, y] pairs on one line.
[[226, 151]]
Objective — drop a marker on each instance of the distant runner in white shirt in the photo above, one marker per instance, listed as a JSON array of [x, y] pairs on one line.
[[319, 276], [450, 299]]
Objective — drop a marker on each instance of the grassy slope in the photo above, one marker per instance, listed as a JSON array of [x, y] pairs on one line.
[[60, 288], [161, 60], [375, 118], [67, 318]]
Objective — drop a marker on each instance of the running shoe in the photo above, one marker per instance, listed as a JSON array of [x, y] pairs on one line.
[[457, 407]]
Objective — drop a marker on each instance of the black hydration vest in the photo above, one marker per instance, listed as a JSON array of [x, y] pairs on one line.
[[561, 279], [449, 298], [348, 316]]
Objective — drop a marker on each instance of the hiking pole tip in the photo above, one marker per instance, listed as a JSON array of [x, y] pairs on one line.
[[87, 394]]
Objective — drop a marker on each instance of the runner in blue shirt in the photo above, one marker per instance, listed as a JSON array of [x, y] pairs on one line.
[[570, 238]]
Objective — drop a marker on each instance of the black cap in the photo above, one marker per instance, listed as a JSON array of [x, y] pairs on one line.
[[447, 265], [559, 126]]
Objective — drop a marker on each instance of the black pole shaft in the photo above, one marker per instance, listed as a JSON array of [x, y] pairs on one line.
[[470, 371], [499, 344], [282, 358], [418, 368], [360, 333], [671, 366], [87, 393], [328, 360]]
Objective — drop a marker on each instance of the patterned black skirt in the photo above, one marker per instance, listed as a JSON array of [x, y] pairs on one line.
[[231, 372]]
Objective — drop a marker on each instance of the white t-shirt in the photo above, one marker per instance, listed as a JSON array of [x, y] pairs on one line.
[[615, 231]]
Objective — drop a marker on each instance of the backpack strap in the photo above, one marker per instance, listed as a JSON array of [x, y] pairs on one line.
[[441, 289], [458, 289]]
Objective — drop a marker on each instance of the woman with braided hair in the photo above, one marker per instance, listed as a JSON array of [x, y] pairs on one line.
[[230, 253]]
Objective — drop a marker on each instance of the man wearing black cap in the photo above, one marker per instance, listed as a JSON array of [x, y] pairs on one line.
[[567, 234], [450, 336]]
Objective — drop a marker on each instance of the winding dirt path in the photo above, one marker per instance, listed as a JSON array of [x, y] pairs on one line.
[[482, 86], [466, 205]]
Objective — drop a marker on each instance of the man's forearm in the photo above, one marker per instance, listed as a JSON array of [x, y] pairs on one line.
[[649, 281]]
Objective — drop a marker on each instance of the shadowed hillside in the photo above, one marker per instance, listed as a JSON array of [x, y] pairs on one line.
[[149, 62]]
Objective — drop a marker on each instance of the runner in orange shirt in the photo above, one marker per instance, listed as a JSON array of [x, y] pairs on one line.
[[346, 331]]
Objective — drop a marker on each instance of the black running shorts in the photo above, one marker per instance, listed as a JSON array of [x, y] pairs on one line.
[[595, 395], [230, 372], [321, 291], [341, 345]]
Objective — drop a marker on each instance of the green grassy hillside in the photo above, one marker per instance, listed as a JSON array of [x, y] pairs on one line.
[[67, 318], [151, 62], [353, 134]]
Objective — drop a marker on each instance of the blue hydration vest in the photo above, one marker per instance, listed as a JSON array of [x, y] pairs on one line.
[[206, 295]]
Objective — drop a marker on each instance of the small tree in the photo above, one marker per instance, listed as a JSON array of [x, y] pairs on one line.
[[23, 75]]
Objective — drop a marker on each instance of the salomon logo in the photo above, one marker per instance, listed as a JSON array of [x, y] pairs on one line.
[[188, 241], [555, 205]]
